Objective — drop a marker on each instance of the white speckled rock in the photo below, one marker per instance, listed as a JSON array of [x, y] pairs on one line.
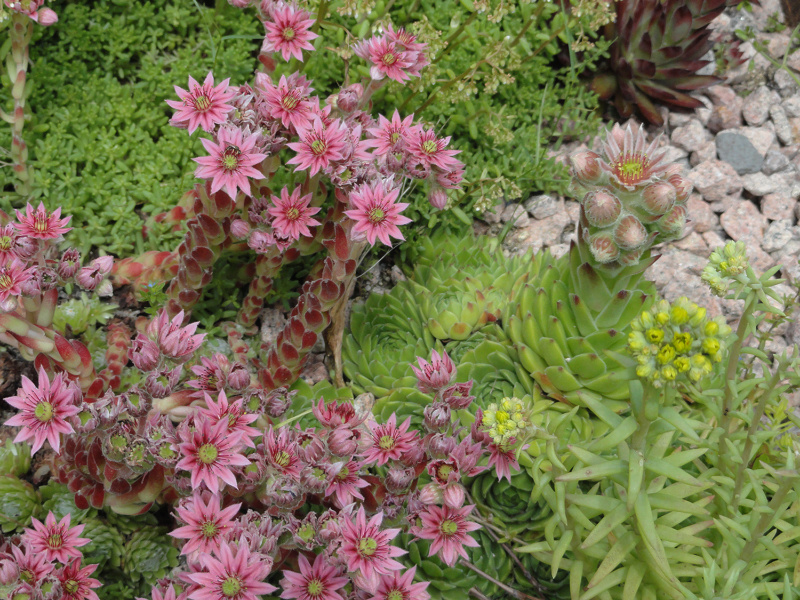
[[743, 222], [715, 179]]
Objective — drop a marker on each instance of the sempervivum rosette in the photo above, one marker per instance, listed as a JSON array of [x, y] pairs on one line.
[[15, 459], [569, 324], [18, 503], [657, 52]]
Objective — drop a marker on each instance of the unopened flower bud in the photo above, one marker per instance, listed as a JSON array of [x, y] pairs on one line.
[[160, 384], [8, 572], [261, 241], [395, 161], [350, 97], [240, 229], [144, 353], [103, 264], [343, 441], [603, 248], [457, 395], [585, 166], [659, 197], [398, 479], [46, 16], [417, 168], [601, 208], [630, 234], [69, 264], [239, 377], [437, 197], [437, 416], [440, 445], [413, 456], [674, 221], [430, 494]]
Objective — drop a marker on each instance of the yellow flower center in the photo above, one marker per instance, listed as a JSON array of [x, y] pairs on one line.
[[395, 595], [43, 411], [293, 214], [230, 162], [318, 147], [448, 527], [282, 458], [343, 474], [386, 442], [207, 454], [5, 281], [389, 59], [231, 586], [376, 215], [367, 547], [288, 34], [290, 101], [631, 168], [315, 588], [202, 103], [444, 471], [55, 541], [429, 147], [394, 137], [209, 529], [71, 586], [5, 243]]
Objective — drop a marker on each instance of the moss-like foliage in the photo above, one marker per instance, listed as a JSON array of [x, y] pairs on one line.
[[99, 138]]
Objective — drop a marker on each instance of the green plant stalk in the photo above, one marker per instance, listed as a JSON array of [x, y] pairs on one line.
[[730, 373], [448, 43], [20, 32], [764, 521], [754, 422]]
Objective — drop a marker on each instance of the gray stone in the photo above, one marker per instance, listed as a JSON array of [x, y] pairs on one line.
[[756, 106], [540, 234], [792, 106], [783, 128], [573, 210], [493, 215], [516, 213], [743, 222], [777, 235], [736, 150], [759, 184], [785, 83], [559, 250], [543, 206], [708, 151], [693, 243], [778, 206], [790, 268], [711, 65], [762, 138], [725, 203], [774, 162], [674, 154], [701, 217], [713, 240], [691, 136], [715, 179], [760, 260], [679, 119]]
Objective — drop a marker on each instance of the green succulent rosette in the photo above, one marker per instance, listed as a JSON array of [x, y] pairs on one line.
[[57, 498], [19, 503], [128, 525], [15, 459], [149, 555], [107, 544], [509, 504]]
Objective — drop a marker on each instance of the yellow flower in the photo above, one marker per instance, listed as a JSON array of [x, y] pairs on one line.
[[666, 354], [655, 335], [710, 346], [682, 342], [682, 364]]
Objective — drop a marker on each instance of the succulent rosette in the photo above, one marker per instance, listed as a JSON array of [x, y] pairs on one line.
[[658, 49], [15, 459], [19, 503]]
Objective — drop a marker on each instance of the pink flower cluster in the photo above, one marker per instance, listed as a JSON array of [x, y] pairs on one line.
[[30, 263], [396, 55], [34, 10], [46, 557]]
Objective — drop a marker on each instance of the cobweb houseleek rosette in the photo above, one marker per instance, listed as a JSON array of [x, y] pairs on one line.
[[569, 323]]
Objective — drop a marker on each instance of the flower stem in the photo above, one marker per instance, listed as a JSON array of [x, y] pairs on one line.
[[20, 33]]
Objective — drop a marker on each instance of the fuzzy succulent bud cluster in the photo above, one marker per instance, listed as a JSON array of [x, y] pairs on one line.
[[676, 341], [725, 266], [633, 197]]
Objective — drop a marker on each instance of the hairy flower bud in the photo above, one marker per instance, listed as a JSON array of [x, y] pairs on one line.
[[399, 479], [683, 187], [350, 97], [437, 416], [240, 229], [47, 16], [440, 445], [630, 234], [437, 197], [585, 166], [239, 377], [343, 441], [413, 456], [69, 264], [603, 248], [160, 384], [673, 222], [457, 395], [144, 353], [601, 208], [658, 197]]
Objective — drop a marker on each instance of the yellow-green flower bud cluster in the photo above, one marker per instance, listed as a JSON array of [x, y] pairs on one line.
[[724, 266], [676, 341], [505, 421]]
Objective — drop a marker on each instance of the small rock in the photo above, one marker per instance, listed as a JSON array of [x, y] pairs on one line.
[[786, 85], [679, 119], [759, 184], [713, 240], [762, 138], [756, 106], [792, 106], [790, 268], [777, 45], [691, 136], [711, 63], [559, 250], [493, 215], [715, 179], [777, 207], [540, 234], [693, 243], [736, 150], [782, 127], [774, 162], [273, 322], [573, 210], [743, 222], [725, 203], [708, 151], [760, 260], [725, 117], [516, 213], [778, 234], [674, 154], [700, 214], [543, 206]]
